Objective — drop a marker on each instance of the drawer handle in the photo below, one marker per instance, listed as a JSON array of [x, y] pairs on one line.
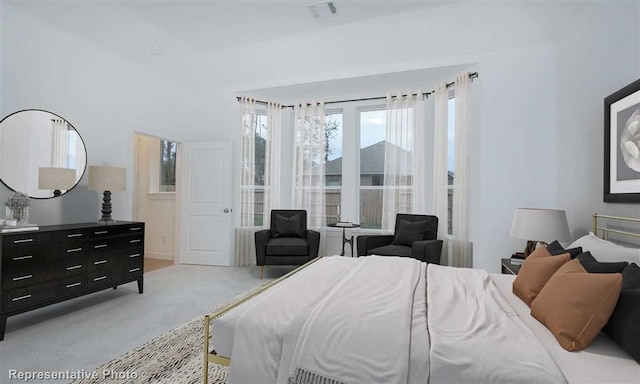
[[22, 241], [135, 228], [73, 285], [100, 246], [74, 267], [22, 277], [100, 232], [74, 250], [22, 258], [99, 262], [21, 298], [134, 255], [100, 278], [75, 235], [135, 241], [134, 270]]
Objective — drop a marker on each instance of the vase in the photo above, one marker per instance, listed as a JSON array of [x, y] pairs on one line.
[[20, 215]]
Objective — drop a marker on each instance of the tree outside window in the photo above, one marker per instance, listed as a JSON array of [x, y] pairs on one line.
[[167, 166]]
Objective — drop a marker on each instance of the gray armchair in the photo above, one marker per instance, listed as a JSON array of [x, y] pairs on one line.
[[287, 241], [415, 236]]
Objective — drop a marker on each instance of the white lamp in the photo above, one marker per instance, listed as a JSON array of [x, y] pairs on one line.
[[107, 179], [56, 179], [539, 225]]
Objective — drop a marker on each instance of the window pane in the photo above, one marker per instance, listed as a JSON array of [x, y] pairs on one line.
[[260, 160], [451, 158], [372, 145], [333, 166], [167, 166]]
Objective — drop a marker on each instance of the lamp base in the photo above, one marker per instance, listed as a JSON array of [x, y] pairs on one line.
[[531, 246], [106, 208]]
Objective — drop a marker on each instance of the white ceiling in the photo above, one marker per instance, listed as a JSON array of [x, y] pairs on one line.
[[186, 32], [207, 25]]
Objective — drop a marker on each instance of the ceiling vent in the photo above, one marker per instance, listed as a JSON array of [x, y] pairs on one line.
[[323, 8]]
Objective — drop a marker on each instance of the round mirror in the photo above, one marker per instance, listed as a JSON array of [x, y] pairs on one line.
[[41, 154]]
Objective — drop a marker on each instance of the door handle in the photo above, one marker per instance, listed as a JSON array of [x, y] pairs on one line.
[[227, 210]]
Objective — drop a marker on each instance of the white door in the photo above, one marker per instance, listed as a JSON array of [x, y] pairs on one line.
[[206, 221]]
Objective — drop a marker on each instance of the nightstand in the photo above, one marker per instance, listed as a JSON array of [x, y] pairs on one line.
[[509, 268]]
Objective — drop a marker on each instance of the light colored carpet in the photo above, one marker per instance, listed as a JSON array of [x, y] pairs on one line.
[[175, 357]]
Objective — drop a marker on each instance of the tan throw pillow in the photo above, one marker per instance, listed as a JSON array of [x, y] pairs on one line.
[[574, 305], [536, 270]]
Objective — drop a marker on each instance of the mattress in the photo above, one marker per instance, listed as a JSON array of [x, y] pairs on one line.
[[601, 362]]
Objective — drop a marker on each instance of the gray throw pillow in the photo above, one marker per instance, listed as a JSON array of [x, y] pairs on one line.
[[408, 232], [287, 226]]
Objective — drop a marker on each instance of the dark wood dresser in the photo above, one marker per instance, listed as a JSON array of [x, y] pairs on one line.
[[60, 262]]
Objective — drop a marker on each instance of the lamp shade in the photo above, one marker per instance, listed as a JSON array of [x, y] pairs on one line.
[[56, 178], [544, 225], [102, 178]]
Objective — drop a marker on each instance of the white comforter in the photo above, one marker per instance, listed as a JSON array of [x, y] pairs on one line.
[[365, 320]]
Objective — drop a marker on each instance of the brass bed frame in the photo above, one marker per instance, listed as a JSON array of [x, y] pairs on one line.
[[210, 356], [604, 232]]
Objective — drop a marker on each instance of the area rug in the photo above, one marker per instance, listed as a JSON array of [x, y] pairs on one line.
[[173, 358]]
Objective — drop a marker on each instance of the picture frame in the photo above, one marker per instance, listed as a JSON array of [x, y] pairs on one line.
[[622, 145]]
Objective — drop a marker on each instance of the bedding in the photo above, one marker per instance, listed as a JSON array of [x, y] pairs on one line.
[[359, 322], [603, 361]]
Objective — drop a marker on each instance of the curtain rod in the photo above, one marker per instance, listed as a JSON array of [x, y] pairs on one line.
[[424, 94]]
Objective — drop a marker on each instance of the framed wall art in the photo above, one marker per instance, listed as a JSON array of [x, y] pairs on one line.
[[622, 145]]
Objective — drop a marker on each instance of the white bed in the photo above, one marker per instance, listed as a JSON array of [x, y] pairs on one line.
[[321, 325]]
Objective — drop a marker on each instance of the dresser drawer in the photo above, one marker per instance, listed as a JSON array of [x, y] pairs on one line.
[[23, 297], [109, 230], [20, 277], [132, 271], [71, 267], [71, 236], [101, 261], [27, 257], [133, 241], [71, 285], [102, 278], [25, 240], [74, 250]]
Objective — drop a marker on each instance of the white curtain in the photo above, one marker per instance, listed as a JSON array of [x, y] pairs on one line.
[[244, 242], [273, 151], [59, 144], [309, 155], [402, 120], [462, 252], [440, 166]]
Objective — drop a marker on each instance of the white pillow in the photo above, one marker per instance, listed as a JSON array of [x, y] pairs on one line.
[[606, 251]]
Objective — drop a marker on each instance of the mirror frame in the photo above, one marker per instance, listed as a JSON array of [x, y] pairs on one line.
[[84, 171]]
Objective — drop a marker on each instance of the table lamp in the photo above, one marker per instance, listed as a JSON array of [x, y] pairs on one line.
[[107, 179], [56, 179], [539, 226]]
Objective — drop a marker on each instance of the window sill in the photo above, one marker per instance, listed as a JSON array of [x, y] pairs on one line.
[[161, 195]]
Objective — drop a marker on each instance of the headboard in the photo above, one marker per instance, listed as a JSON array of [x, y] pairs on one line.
[[603, 225]]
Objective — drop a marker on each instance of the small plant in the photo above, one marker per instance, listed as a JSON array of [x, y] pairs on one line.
[[17, 201]]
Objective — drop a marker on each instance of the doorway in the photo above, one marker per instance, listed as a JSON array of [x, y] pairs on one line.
[[154, 197]]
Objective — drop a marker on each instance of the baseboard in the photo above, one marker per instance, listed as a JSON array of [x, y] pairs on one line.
[[157, 255]]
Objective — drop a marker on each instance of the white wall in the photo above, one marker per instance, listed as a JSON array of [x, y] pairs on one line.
[[545, 68], [599, 55]]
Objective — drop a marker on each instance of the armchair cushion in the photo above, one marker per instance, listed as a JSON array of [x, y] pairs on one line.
[[287, 226], [288, 246], [408, 232], [392, 250]]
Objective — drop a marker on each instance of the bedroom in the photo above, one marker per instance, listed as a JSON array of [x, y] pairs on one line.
[[545, 68]]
